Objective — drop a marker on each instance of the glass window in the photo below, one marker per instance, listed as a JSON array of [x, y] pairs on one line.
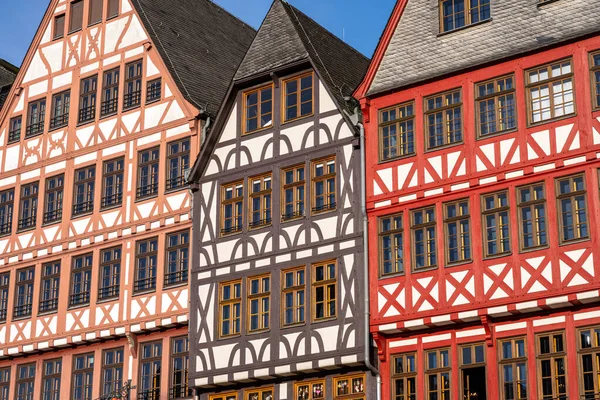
[[24, 292], [145, 265], [4, 286], [260, 200], [53, 202], [150, 370], [110, 273], [112, 182], [550, 91], [232, 207], [443, 119], [112, 371], [437, 374], [404, 377], [6, 211], [495, 104], [423, 227], [83, 201], [133, 85], [351, 387], [25, 382], [397, 131], [153, 90], [531, 203], [298, 97], [496, 224], [572, 208], [81, 278], [148, 172], [59, 27], [60, 110], [595, 70], [178, 160], [5, 383], [178, 257], [83, 377], [36, 116], [76, 16], [293, 190], [259, 394], [552, 366], [324, 290], [324, 184], [457, 226], [14, 130], [458, 13], [179, 368], [293, 295], [259, 303], [472, 371], [230, 308], [87, 96], [589, 361], [51, 376], [513, 369], [95, 12], [113, 9], [312, 390], [258, 108], [223, 396], [49, 287], [110, 92], [28, 206], [391, 235]]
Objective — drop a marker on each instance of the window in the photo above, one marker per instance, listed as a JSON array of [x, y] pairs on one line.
[[260, 201], [95, 12], [324, 290], [396, 132], [60, 110], [112, 183], [178, 257], [59, 27], [145, 265], [552, 367], [133, 85], [437, 374], [531, 203], [4, 286], [259, 394], [178, 159], [110, 92], [28, 207], [179, 368], [110, 273], [324, 190], [349, 387], [87, 97], [150, 369], [550, 91], [153, 90], [50, 287], [298, 100], [472, 371], [259, 303], [457, 228], [6, 211], [589, 362], [76, 16], [51, 379], [424, 238], [14, 130], [513, 369], [293, 192], [113, 9], [5, 383], [36, 115], [232, 207], [148, 172], [24, 292], [595, 70], [83, 377], [53, 203], [443, 119], [84, 190], [391, 235], [314, 390], [224, 396], [112, 371], [496, 106], [572, 208], [458, 13], [81, 277], [496, 224], [404, 377], [25, 382], [258, 111], [293, 296], [230, 308]]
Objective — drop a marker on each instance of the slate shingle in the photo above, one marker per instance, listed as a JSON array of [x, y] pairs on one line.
[[8, 73]]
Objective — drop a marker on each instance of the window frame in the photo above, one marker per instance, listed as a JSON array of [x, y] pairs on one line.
[[29, 381], [182, 157], [89, 191], [405, 106], [111, 292], [90, 96], [4, 293], [108, 9], [25, 310], [183, 390], [35, 127], [495, 96], [260, 296], [73, 29], [54, 378], [113, 368], [54, 279], [153, 174], [362, 395], [14, 134], [496, 211], [437, 371], [260, 392], [133, 99], [223, 396], [232, 301], [414, 227], [235, 202], [405, 375], [551, 356], [325, 283], [90, 8], [458, 219], [5, 380], [265, 195], [150, 282], [153, 90], [571, 196], [59, 113], [181, 273], [532, 204], [154, 392], [259, 105], [85, 268], [54, 216], [594, 83], [295, 289], [443, 110], [116, 199], [28, 206], [56, 32], [299, 206], [310, 385], [325, 178], [86, 370], [284, 95], [462, 366], [392, 233], [467, 16], [594, 351], [513, 362], [110, 106], [7, 204]]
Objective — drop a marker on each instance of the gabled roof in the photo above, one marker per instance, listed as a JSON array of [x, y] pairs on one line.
[[8, 73], [201, 44], [412, 50]]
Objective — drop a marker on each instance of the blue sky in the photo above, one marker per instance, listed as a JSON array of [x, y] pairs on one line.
[[360, 25]]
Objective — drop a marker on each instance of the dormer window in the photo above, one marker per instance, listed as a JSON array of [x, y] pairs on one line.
[[298, 97], [456, 14], [258, 109]]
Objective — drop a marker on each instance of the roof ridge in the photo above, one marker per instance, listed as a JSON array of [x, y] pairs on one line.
[[9, 66]]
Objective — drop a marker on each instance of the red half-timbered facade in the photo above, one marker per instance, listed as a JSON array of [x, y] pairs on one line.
[[483, 158], [102, 122]]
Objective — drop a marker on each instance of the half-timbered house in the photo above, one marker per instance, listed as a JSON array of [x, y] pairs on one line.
[[482, 145], [101, 123], [277, 310]]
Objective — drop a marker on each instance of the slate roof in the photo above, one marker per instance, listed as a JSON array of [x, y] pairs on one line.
[[287, 36], [8, 73], [418, 52], [201, 44]]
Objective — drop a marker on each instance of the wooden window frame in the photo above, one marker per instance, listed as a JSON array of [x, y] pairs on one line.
[[110, 92], [467, 16], [325, 284], [513, 362], [72, 28], [325, 180], [443, 110], [114, 384], [298, 93], [53, 199], [404, 377], [529, 86], [35, 120], [132, 96], [4, 293], [110, 269], [24, 289], [153, 90], [496, 96], [405, 138], [152, 393], [84, 270], [147, 284], [307, 388], [115, 14], [223, 396], [496, 212], [463, 239], [50, 273], [54, 378], [15, 126], [294, 290], [90, 8], [438, 372], [259, 106], [5, 382], [152, 174], [28, 381], [113, 173], [536, 220], [592, 351], [88, 185], [392, 234], [7, 202], [595, 81], [552, 356], [571, 196], [265, 196], [463, 366], [259, 392], [178, 161], [28, 206], [87, 99], [298, 189], [231, 302], [179, 391], [84, 371], [260, 296], [429, 243], [57, 32], [361, 394], [181, 250], [59, 113], [234, 202]]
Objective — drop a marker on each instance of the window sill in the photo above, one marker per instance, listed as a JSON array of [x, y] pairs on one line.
[[57, 127], [324, 211], [131, 108], [574, 241], [421, 270], [76, 306], [74, 31], [106, 299], [175, 285], [229, 337], [392, 275], [438, 148], [21, 318], [48, 223], [495, 256], [26, 229], [145, 291], [462, 28], [229, 234], [286, 220], [48, 312], [111, 207], [148, 102], [397, 158], [496, 134], [292, 326], [85, 214], [533, 249], [94, 23], [457, 263], [105, 116], [176, 189], [32, 135], [322, 320], [145, 198], [13, 142], [87, 122]]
